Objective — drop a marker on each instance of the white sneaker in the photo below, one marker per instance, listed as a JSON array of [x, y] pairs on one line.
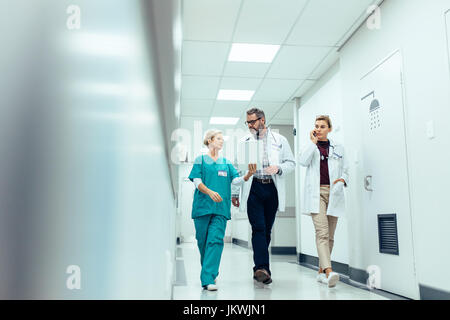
[[332, 279], [211, 287], [321, 277]]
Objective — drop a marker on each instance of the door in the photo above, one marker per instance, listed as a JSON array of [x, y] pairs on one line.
[[388, 238]]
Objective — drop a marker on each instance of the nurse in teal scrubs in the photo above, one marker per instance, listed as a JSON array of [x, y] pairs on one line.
[[213, 176]]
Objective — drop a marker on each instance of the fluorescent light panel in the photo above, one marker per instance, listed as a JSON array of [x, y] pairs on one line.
[[223, 120], [246, 52], [236, 95]]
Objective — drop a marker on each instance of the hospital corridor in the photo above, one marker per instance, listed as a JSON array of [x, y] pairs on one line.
[[248, 150]]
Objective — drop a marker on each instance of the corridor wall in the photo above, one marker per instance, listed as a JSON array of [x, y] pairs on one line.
[[86, 198]]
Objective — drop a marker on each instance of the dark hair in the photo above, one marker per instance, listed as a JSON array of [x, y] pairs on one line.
[[259, 113]]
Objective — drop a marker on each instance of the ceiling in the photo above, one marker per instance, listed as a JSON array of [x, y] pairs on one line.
[[308, 31]]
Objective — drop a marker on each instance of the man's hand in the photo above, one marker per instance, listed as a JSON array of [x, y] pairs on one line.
[[251, 171], [235, 202], [271, 170]]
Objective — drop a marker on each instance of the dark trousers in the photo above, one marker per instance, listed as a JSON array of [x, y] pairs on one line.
[[262, 206]]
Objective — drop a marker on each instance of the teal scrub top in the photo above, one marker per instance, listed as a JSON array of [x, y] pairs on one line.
[[217, 176]]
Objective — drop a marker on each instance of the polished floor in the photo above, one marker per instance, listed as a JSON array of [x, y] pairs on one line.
[[291, 281]]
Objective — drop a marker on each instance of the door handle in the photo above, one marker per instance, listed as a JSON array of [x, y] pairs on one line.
[[367, 183]]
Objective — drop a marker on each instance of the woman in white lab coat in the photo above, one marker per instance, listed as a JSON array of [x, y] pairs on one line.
[[323, 191]]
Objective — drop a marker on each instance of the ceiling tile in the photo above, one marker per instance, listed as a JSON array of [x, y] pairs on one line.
[[269, 108], [246, 69], [196, 107], [231, 83], [286, 112], [196, 87], [297, 62], [306, 85], [204, 58], [276, 90], [267, 21], [327, 63], [325, 22], [229, 108], [208, 20]]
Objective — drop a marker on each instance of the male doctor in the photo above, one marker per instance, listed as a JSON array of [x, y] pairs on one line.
[[264, 193]]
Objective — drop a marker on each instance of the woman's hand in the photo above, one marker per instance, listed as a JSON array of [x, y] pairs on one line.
[[251, 171], [214, 196], [313, 138]]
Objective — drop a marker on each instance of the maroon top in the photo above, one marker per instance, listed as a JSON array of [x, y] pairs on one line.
[[323, 148]]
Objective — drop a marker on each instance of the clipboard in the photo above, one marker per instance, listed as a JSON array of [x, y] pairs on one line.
[[254, 151]]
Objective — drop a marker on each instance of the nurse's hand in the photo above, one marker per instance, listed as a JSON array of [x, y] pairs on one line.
[[235, 202], [214, 196]]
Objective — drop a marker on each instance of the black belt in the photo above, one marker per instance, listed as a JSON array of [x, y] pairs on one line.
[[263, 181]]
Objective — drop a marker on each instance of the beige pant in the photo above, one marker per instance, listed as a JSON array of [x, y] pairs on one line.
[[325, 227]]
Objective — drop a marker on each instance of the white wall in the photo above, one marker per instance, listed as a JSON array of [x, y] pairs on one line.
[[241, 230], [84, 173], [417, 28], [324, 98], [185, 194]]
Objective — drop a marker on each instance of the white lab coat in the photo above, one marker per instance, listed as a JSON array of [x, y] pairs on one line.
[[337, 169], [280, 154]]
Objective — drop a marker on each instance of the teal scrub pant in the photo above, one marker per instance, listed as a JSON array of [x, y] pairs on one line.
[[209, 232]]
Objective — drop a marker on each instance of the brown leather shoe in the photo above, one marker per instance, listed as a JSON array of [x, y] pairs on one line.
[[263, 276]]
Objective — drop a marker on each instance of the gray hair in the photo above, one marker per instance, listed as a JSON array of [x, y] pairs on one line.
[[259, 113], [210, 134]]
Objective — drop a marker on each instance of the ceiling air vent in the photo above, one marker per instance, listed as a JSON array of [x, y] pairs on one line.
[[387, 233]]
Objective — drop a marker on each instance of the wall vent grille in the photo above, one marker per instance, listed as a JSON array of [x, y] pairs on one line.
[[387, 233]]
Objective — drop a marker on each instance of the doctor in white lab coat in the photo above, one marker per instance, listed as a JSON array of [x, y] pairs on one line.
[[323, 191], [265, 192]]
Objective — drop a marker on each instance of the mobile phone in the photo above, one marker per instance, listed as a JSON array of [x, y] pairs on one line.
[[314, 133]]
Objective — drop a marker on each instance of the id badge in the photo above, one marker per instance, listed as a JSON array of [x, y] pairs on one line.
[[223, 173]]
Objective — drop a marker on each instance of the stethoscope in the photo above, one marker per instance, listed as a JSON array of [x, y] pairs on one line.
[[326, 156]]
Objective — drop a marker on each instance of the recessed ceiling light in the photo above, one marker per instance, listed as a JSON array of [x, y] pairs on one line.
[[246, 52], [223, 120], [237, 95]]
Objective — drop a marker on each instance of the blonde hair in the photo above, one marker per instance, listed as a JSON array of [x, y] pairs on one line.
[[210, 134], [326, 119]]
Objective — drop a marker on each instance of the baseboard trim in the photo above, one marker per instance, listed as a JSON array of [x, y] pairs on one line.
[[352, 276], [240, 242], [283, 250], [429, 293], [313, 262]]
